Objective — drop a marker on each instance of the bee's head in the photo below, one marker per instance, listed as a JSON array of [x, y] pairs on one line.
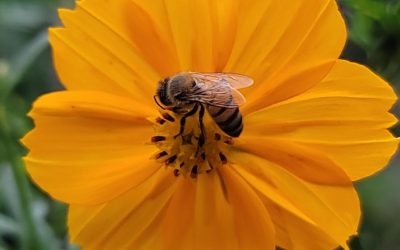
[[175, 90], [162, 92]]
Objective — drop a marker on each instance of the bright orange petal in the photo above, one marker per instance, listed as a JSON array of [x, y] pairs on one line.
[[201, 33], [276, 38], [305, 162], [148, 26], [334, 210], [345, 117], [178, 222], [253, 225], [190, 214], [295, 233], [301, 79], [131, 221], [96, 43], [88, 147], [225, 16], [199, 216], [214, 218]]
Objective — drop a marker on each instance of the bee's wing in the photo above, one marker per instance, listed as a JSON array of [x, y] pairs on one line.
[[213, 90], [236, 81]]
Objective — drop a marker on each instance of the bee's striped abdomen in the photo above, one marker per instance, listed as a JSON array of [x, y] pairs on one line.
[[228, 119]]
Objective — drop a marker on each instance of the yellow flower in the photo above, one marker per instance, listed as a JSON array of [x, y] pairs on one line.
[[313, 124]]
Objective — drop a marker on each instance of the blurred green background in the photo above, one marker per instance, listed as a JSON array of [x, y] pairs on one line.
[[30, 220]]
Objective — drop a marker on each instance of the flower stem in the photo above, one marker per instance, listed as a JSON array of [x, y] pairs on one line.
[[30, 239]]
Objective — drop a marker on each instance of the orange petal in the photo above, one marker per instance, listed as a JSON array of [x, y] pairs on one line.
[[178, 222], [214, 215], [294, 233], [225, 15], [97, 44], [254, 228], [190, 214], [127, 46], [305, 162], [147, 23], [88, 147], [131, 221], [293, 229], [199, 216], [301, 79], [333, 210], [276, 38], [138, 42], [201, 32], [345, 117]]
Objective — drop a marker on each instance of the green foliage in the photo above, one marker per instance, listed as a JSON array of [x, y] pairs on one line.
[[28, 219], [14, 69], [375, 27]]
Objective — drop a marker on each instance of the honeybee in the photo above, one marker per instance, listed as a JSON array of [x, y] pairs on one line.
[[216, 92]]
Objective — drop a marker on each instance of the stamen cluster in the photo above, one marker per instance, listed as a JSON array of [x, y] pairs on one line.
[[183, 151]]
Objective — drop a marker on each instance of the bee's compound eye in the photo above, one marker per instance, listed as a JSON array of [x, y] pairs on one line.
[[178, 96]]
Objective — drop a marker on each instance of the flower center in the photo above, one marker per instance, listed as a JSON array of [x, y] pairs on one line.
[[190, 150]]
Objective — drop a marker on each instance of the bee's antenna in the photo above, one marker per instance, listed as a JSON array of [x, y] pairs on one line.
[[155, 99]]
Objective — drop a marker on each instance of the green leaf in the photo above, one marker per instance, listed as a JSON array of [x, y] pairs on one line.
[[361, 30], [8, 191], [391, 20], [370, 8], [12, 71], [8, 225]]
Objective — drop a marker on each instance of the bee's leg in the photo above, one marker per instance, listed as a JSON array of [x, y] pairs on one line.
[[183, 119], [202, 130], [178, 110]]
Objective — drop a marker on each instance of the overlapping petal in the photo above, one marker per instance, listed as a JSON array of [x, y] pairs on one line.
[[133, 219], [89, 147], [207, 213], [95, 53], [199, 216], [330, 211], [126, 47], [344, 118], [276, 39], [293, 232]]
